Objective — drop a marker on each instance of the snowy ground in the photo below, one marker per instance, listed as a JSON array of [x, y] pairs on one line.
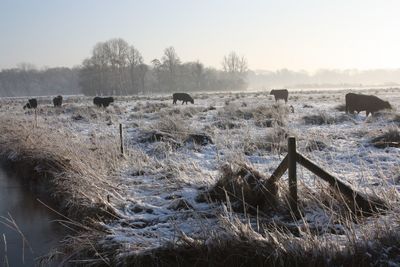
[[159, 193]]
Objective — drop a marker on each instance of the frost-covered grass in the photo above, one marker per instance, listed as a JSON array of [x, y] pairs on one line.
[[152, 191]]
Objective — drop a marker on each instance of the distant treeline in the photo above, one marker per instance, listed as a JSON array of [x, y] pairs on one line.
[[117, 68], [28, 81]]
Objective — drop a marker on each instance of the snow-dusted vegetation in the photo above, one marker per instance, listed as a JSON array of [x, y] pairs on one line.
[[171, 197]]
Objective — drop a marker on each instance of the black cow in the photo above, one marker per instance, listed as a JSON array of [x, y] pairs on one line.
[[57, 101], [280, 94], [103, 101], [369, 103], [32, 103], [182, 96]]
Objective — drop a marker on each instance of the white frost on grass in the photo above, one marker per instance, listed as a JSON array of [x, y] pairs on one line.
[[160, 194]]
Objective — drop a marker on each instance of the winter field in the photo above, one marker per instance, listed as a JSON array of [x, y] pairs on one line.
[[183, 191]]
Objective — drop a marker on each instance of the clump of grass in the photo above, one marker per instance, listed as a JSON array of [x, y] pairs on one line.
[[189, 112], [324, 118], [209, 108], [316, 145], [341, 107], [261, 113], [382, 115], [225, 124], [391, 138], [150, 107], [173, 125], [273, 141], [244, 188], [319, 119], [396, 119]]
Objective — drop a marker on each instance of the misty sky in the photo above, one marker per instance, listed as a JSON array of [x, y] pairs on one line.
[[307, 34]]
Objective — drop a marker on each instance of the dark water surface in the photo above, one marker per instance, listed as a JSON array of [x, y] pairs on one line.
[[19, 199]]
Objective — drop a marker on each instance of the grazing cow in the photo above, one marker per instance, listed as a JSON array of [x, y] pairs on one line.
[[57, 101], [32, 103], [280, 94], [369, 103], [103, 101], [182, 96]]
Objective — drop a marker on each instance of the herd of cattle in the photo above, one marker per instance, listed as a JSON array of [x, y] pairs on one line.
[[354, 102]]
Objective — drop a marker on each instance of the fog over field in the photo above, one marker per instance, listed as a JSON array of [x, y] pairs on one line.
[[27, 80]]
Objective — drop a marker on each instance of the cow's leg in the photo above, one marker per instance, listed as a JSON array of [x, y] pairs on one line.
[[174, 101]]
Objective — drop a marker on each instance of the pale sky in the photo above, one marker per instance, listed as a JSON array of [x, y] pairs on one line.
[[293, 34]]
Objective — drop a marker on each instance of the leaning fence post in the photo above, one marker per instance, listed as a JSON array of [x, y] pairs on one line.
[[292, 175], [120, 137]]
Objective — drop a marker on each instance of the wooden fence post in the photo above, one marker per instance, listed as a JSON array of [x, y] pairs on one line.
[[292, 158], [121, 139], [36, 119]]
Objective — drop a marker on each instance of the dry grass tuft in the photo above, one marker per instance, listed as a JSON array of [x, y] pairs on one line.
[[319, 119], [341, 107], [315, 145], [273, 141], [244, 188], [276, 112], [173, 125], [396, 119], [324, 118], [150, 107], [391, 138]]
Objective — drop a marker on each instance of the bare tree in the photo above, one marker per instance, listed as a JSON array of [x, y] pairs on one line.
[[170, 64], [142, 71], [235, 68], [233, 63], [135, 59]]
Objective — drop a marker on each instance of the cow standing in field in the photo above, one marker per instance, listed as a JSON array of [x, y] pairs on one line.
[[103, 101], [369, 103], [280, 94], [57, 101], [32, 103], [182, 96]]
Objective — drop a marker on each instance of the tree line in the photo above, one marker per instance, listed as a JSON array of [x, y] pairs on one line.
[[26, 80], [117, 68]]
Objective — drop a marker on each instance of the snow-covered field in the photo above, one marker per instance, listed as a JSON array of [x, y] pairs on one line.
[[156, 189]]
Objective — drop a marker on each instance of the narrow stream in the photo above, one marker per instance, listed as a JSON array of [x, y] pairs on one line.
[[19, 202]]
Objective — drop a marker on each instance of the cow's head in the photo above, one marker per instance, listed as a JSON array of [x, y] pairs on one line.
[[272, 92], [192, 101], [387, 105]]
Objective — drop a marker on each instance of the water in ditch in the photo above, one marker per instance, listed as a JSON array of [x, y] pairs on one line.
[[34, 230]]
